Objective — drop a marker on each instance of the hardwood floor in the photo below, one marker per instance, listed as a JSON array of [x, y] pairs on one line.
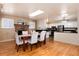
[[49, 49]]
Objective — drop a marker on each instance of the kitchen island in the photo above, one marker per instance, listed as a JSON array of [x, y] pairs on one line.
[[71, 38]]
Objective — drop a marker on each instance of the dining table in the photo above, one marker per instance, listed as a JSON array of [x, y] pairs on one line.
[[25, 37]]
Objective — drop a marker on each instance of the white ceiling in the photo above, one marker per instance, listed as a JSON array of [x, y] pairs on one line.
[[51, 10]]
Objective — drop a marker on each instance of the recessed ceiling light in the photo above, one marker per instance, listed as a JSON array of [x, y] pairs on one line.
[[36, 13]]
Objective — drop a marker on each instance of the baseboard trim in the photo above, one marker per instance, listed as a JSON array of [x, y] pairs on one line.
[[7, 40]]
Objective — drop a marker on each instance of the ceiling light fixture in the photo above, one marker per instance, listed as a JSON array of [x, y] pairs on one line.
[[36, 13]]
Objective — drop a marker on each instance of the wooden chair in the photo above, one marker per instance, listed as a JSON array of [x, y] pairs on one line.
[[19, 41], [42, 37], [34, 39], [47, 35]]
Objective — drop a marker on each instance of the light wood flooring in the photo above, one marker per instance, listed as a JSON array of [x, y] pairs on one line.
[[51, 48]]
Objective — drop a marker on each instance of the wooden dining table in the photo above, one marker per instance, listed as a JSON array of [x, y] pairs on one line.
[[24, 37], [27, 37]]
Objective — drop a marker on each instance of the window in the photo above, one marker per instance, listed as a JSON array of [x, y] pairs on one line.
[[7, 23]]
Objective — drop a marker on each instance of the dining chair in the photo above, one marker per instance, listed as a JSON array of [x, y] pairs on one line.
[[19, 41], [25, 32], [47, 35], [42, 37], [34, 39]]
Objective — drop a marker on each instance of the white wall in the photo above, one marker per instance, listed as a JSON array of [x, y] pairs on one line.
[[32, 25], [65, 23], [41, 24]]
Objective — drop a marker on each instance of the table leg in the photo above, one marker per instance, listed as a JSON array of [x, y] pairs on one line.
[[45, 40], [23, 44]]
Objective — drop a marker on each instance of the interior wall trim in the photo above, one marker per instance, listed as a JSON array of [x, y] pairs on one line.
[[7, 40]]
